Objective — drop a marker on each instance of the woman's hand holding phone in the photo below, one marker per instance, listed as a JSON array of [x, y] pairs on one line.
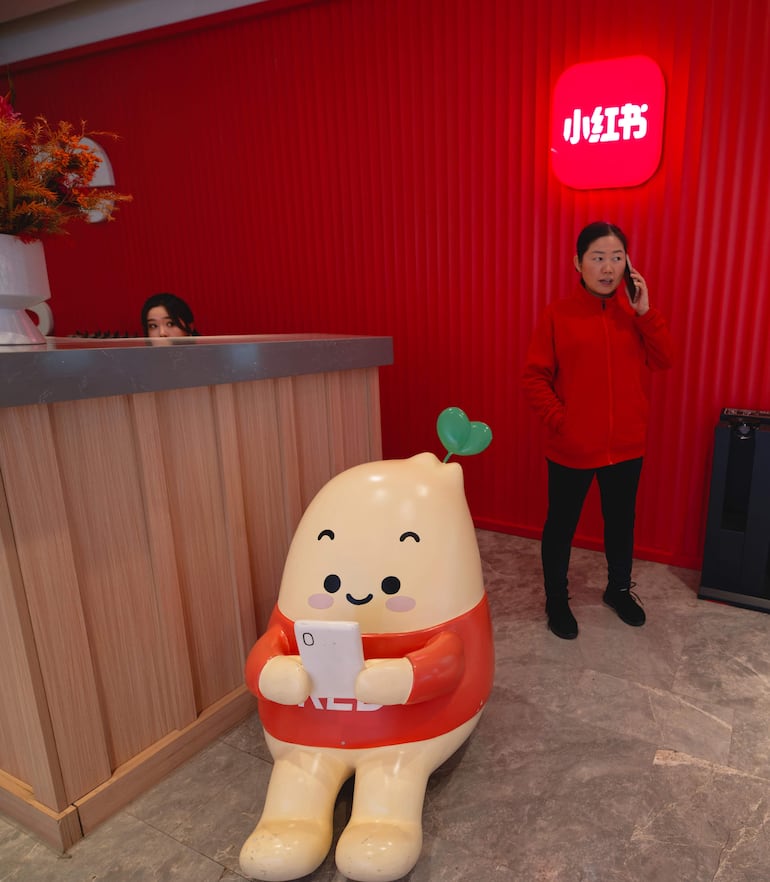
[[636, 288]]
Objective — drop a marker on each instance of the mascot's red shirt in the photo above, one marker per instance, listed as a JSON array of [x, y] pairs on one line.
[[453, 666]]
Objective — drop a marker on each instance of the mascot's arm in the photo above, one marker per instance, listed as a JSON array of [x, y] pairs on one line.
[[422, 675], [438, 667], [273, 674]]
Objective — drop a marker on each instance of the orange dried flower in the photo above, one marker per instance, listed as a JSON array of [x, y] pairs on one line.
[[45, 173]]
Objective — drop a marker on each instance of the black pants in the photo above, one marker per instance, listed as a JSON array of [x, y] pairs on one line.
[[567, 489]]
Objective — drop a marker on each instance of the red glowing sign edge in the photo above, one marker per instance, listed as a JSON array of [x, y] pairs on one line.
[[636, 162]]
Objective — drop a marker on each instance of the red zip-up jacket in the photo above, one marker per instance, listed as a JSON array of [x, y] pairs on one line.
[[585, 378]]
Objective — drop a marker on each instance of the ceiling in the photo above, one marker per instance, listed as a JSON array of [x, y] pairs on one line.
[[33, 28], [10, 10]]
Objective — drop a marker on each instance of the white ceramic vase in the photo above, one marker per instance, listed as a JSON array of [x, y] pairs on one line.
[[23, 285]]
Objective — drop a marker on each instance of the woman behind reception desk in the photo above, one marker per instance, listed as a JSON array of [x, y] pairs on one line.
[[166, 315]]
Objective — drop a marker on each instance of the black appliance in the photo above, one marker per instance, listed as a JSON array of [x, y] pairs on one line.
[[736, 557]]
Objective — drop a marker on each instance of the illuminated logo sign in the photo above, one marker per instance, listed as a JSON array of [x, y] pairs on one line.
[[607, 123]]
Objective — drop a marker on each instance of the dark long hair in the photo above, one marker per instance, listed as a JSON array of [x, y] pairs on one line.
[[179, 312]]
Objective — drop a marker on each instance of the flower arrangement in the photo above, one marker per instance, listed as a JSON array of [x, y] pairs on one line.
[[45, 173]]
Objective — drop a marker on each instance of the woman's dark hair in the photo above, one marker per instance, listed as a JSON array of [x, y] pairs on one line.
[[595, 231], [179, 312]]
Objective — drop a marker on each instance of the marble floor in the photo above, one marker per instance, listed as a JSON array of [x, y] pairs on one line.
[[627, 755]]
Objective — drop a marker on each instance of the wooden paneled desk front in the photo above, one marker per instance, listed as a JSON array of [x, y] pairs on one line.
[[149, 495]]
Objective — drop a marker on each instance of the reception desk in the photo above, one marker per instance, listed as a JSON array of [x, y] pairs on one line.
[[149, 495]]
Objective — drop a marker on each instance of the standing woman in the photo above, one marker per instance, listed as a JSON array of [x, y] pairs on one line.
[[584, 379]]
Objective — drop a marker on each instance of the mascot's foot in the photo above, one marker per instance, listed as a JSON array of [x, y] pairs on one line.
[[281, 850], [378, 851]]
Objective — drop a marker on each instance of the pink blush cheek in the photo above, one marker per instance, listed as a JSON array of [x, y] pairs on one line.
[[400, 604], [320, 601]]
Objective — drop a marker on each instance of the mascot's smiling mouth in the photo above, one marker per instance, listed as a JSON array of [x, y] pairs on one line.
[[356, 601]]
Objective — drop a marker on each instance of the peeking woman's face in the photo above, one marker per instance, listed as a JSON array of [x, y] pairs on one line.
[[160, 324]]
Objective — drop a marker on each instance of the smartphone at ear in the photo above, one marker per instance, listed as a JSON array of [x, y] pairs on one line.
[[630, 286]]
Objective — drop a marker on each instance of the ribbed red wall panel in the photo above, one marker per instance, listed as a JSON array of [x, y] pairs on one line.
[[382, 166]]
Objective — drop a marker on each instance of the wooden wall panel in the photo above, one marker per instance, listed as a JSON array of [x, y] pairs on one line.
[[177, 681], [236, 532], [270, 486], [27, 743], [33, 487], [305, 405], [106, 517], [142, 540], [354, 441], [191, 463]]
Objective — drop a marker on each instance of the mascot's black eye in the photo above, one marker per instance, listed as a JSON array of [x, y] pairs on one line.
[[391, 585], [332, 583]]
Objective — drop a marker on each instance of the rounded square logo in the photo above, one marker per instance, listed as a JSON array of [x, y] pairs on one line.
[[607, 123]]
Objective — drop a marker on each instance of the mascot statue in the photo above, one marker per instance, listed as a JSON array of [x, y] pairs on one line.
[[376, 662]]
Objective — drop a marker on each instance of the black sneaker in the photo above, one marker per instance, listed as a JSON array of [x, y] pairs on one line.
[[626, 604], [560, 619]]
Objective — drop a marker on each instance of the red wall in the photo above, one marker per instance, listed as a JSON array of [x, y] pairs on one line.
[[382, 166]]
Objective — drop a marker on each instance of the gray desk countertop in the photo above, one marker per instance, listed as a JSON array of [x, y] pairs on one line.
[[68, 368]]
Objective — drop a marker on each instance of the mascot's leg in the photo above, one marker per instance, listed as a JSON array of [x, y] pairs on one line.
[[294, 834], [383, 838]]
